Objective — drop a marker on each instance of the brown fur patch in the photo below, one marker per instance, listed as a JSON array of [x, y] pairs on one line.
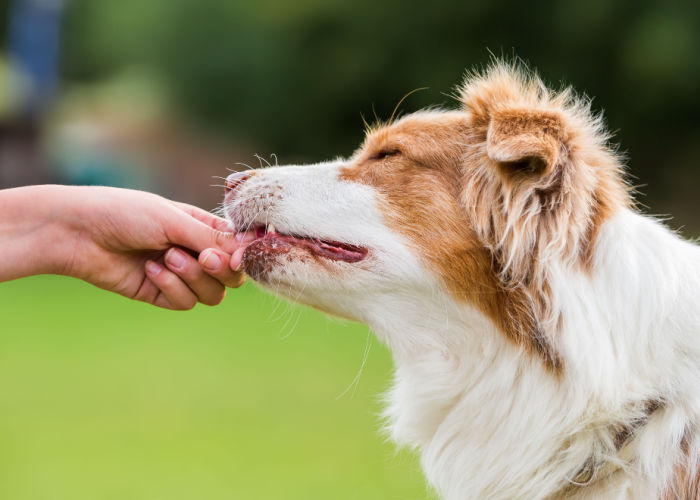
[[686, 478], [489, 231], [422, 187], [525, 142]]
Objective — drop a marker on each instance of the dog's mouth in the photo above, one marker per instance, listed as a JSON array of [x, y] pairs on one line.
[[267, 239]]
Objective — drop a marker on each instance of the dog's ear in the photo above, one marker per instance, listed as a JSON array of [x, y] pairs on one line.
[[525, 143], [524, 129], [540, 183]]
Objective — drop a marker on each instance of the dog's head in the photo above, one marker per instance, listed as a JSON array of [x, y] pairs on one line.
[[473, 206]]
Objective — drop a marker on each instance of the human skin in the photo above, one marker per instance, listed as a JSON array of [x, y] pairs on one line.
[[133, 243]]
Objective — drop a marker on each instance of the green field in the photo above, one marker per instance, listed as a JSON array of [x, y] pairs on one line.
[[106, 398]]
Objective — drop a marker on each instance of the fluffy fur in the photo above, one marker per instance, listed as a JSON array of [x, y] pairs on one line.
[[546, 335]]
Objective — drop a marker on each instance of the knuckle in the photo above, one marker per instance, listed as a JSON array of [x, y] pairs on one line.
[[176, 232]]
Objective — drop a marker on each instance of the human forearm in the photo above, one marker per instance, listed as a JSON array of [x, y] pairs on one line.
[[34, 231]]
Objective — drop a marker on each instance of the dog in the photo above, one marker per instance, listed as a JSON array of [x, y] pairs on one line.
[[545, 334]]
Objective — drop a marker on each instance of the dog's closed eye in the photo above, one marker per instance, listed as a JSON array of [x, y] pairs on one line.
[[383, 154]]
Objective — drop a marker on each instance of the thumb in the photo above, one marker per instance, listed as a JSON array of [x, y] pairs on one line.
[[184, 230]]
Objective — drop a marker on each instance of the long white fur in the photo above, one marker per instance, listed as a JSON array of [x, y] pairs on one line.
[[490, 422]]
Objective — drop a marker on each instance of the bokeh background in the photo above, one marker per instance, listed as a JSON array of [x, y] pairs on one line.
[[104, 398]]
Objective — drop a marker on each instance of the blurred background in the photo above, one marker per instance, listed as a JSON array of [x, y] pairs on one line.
[[104, 398]]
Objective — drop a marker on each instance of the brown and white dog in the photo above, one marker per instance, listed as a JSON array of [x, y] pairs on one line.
[[546, 335]]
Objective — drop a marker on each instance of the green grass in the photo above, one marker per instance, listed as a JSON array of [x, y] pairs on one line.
[[106, 398]]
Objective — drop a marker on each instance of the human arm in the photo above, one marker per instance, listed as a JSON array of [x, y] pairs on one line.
[[110, 237]]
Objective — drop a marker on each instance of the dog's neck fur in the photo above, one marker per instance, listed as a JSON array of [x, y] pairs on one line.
[[492, 421]]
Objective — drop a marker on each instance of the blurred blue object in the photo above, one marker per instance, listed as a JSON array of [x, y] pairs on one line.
[[34, 41]]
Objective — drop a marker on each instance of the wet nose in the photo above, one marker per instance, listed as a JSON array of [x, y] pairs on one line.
[[235, 180]]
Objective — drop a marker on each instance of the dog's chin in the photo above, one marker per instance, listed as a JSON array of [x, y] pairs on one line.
[[271, 262], [298, 274]]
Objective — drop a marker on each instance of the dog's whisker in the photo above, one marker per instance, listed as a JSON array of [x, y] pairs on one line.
[[355, 382], [261, 159], [248, 167]]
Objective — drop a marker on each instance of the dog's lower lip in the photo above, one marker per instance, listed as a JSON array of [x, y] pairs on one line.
[[333, 250], [339, 251]]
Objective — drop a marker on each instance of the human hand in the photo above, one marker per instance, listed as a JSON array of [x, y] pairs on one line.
[[144, 247], [134, 243], [207, 275]]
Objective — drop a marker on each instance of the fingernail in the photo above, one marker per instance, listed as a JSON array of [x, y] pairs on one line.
[[211, 261], [175, 259], [153, 268], [237, 259]]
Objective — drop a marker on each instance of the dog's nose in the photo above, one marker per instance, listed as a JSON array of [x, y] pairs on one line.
[[235, 180]]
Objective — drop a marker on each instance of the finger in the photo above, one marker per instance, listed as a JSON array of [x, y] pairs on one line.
[[184, 230], [174, 293], [216, 263], [237, 259], [208, 289], [207, 218], [245, 238], [147, 292]]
